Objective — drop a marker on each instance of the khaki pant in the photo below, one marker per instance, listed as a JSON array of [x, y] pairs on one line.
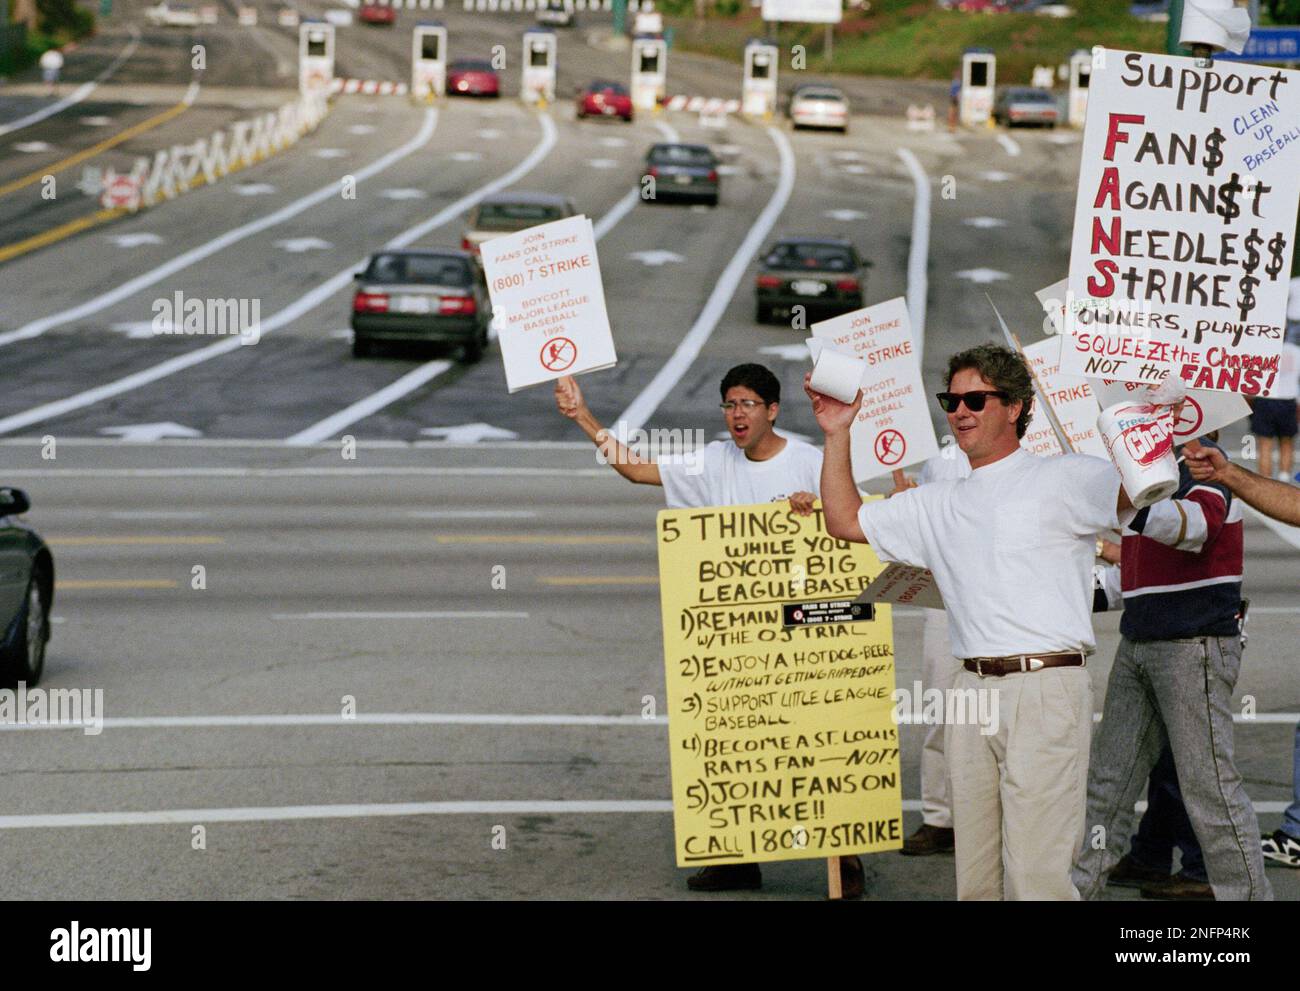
[[938, 669], [1018, 795]]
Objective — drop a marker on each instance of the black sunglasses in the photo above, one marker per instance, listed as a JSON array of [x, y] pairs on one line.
[[974, 400]]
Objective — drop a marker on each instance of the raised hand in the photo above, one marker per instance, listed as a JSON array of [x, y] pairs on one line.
[[832, 415], [568, 397]]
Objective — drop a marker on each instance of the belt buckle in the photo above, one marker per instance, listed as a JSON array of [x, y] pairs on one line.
[[979, 667], [1031, 663]]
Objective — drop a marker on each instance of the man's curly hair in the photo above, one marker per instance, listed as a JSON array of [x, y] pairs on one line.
[[1006, 369]]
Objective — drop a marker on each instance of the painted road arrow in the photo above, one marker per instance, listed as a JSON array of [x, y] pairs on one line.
[[656, 258], [469, 433], [297, 245], [135, 240], [982, 276], [150, 431]]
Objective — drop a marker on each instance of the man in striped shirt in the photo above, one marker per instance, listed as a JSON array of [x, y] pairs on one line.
[[1172, 682]]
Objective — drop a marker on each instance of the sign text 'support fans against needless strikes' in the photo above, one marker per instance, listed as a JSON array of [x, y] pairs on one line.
[[1184, 222]]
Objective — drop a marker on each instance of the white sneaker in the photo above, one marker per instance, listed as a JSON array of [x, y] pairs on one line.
[[1282, 476]]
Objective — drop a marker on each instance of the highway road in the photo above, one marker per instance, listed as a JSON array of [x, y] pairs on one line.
[[482, 712]]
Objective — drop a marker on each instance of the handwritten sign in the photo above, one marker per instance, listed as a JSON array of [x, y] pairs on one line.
[[1184, 222], [783, 741], [893, 428], [548, 302], [1071, 399]]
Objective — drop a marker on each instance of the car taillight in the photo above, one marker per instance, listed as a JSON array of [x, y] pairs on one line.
[[653, 171], [463, 305], [467, 245], [768, 282], [848, 285], [713, 175], [370, 302]]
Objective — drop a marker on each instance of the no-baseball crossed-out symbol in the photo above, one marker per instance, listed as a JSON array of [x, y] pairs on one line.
[[1189, 421], [558, 354], [890, 447]]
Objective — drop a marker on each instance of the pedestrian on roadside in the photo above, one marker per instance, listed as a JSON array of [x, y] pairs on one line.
[[756, 465], [1273, 417], [954, 101], [51, 63], [1011, 548]]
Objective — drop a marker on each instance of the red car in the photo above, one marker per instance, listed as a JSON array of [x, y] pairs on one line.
[[472, 77], [373, 13], [602, 98]]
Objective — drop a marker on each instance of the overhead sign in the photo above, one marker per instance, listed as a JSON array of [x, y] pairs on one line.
[[811, 11], [893, 428], [1071, 399], [548, 302], [1281, 44], [1184, 222], [782, 739]]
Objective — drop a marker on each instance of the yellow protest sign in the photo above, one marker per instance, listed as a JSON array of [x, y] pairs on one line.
[[779, 689]]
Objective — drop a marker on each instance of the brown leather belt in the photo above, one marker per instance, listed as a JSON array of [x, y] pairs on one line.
[[996, 667]]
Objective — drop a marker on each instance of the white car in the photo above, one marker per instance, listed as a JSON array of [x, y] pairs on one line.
[[815, 105], [556, 13], [166, 15]]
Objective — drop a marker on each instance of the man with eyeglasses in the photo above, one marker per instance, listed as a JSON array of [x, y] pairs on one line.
[[1011, 548], [756, 465]]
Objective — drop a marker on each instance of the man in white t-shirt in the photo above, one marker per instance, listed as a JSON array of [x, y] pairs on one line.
[[1011, 548], [756, 465]]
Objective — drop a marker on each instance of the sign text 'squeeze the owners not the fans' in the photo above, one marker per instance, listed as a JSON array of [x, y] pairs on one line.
[[1183, 227]]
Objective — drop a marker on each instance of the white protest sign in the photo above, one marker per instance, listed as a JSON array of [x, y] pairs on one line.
[[893, 428], [903, 584], [1071, 399], [1183, 226], [548, 302], [1204, 410]]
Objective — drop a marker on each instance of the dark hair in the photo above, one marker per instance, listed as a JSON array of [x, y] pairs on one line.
[[1006, 369], [755, 377]]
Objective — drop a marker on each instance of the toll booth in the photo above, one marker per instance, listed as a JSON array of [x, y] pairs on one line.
[[315, 57], [429, 60], [758, 85], [649, 71], [540, 56], [978, 78], [1080, 77]]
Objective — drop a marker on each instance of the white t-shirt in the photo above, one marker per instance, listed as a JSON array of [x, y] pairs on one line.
[[1011, 548], [51, 59], [1287, 385], [950, 464], [721, 475]]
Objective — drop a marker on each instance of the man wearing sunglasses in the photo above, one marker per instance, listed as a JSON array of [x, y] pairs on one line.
[[756, 465], [1011, 548]]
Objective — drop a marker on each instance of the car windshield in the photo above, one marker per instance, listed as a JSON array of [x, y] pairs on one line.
[[516, 216], [826, 257], [600, 86], [1031, 96], [820, 94], [437, 270], [472, 65], [680, 155]]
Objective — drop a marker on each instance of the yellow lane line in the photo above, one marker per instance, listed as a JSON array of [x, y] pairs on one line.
[[509, 538], [125, 583], [599, 580], [129, 541], [60, 232], [93, 150]]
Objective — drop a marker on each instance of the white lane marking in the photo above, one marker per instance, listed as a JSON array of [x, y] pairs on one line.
[[668, 131], [158, 514], [918, 253], [135, 240], [847, 156], [281, 813], [504, 472], [472, 514], [138, 329], [330, 152], [131, 286], [984, 223], [77, 95], [996, 175], [97, 121], [400, 615], [614, 142], [466, 156], [331, 425], [616, 213], [33, 147], [1284, 610], [656, 257], [137, 432], [254, 188], [671, 373], [601, 163], [360, 719], [1290, 534], [856, 169], [404, 194], [489, 134], [299, 245], [1009, 145], [844, 216], [981, 276], [470, 433], [361, 129]]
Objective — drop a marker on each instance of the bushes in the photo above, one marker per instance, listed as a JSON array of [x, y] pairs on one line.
[[64, 19]]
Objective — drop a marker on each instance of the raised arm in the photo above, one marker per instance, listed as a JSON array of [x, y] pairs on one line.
[[1276, 499], [840, 498], [568, 397]]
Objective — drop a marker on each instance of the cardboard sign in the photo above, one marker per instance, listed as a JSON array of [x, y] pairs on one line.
[[903, 585], [1204, 411], [893, 429], [783, 741], [1071, 399], [1184, 223], [548, 302]]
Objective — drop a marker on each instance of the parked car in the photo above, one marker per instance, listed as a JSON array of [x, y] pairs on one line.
[[170, 15], [473, 77], [556, 13], [374, 13], [505, 213], [602, 98], [1025, 105], [26, 593], [682, 171], [824, 275], [817, 105], [438, 297]]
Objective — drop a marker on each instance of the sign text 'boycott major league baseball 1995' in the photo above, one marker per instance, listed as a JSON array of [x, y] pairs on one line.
[[1184, 222], [548, 302], [893, 428]]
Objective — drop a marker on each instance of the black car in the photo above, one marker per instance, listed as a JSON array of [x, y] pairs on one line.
[[824, 275], [682, 171], [26, 593], [439, 297]]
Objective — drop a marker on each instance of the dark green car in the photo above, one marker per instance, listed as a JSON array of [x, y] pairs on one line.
[[26, 593]]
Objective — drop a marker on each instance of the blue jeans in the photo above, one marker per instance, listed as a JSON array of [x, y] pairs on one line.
[[1165, 825], [1291, 817]]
